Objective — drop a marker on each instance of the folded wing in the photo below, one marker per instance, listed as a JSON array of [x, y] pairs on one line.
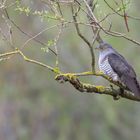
[[125, 72]]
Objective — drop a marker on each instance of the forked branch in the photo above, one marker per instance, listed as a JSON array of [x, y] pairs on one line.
[[73, 78]]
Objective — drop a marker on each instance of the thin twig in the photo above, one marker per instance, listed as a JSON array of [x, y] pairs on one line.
[[83, 38], [17, 51], [125, 16], [93, 19], [38, 63], [26, 33], [56, 42], [33, 37], [117, 12], [74, 14], [113, 33]]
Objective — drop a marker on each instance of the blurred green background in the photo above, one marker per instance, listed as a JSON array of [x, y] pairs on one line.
[[33, 106]]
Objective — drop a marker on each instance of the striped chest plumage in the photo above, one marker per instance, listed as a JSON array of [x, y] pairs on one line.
[[107, 69]]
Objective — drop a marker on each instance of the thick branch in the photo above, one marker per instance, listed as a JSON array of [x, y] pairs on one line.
[[83, 87], [90, 73], [72, 78]]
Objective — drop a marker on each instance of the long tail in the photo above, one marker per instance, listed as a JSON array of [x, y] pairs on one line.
[[133, 85]]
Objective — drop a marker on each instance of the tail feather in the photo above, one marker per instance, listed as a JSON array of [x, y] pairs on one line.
[[132, 84]]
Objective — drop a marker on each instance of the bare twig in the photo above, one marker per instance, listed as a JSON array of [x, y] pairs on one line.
[[55, 45], [117, 12], [61, 1], [17, 51], [83, 38], [92, 19], [74, 14], [37, 62], [117, 34], [26, 33], [23, 46], [109, 32]]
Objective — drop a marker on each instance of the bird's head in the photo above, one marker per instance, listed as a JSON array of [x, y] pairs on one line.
[[104, 47]]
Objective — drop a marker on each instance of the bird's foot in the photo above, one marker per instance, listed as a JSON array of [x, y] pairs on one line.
[[116, 96], [121, 91]]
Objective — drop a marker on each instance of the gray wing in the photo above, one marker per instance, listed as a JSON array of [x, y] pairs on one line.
[[125, 72]]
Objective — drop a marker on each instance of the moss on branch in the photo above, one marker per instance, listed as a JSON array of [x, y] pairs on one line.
[[84, 87], [72, 78]]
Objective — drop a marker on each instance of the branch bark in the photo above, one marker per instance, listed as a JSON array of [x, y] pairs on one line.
[[88, 88], [74, 14], [72, 78], [76, 83]]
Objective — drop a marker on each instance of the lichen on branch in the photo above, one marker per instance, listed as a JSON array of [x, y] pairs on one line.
[[88, 88], [86, 7]]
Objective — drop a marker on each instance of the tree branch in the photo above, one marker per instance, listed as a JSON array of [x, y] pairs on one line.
[[74, 14], [17, 51], [93, 20], [88, 88], [80, 86], [72, 78], [26, 34]]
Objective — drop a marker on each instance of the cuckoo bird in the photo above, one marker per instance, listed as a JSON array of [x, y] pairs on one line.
[[114, 65]]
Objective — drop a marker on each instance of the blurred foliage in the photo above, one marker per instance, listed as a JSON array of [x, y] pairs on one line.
[[33, 106]]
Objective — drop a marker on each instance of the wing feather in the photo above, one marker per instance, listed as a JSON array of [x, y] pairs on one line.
[[125, 72], [120, 65]]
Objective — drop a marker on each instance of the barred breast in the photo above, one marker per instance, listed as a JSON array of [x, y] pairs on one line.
[[107, 70]]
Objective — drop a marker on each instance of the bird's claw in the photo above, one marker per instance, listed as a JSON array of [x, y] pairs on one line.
[[117, 96]]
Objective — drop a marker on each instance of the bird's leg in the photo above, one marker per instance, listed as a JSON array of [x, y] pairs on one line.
[[121, 91], [117, 96]]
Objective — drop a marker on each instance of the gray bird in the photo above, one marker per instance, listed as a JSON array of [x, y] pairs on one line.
[[114, 65]]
